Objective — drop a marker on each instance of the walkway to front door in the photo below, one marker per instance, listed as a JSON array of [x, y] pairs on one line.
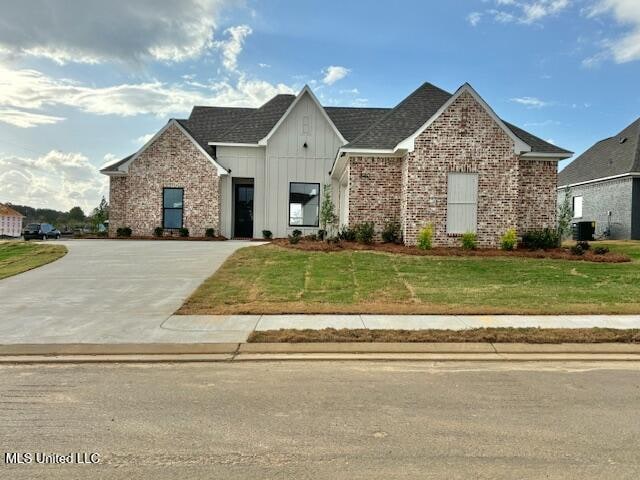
[[243, 207]]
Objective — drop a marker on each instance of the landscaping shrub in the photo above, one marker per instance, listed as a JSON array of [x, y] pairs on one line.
[[425, 237], [585, 245], [295, 237], [577, 249], [123, 232], [509, 240], [469, 241], [267, 234], [541, 239], [184, 232], [601, 250], [365, 232], [312, 237], [347, 234], [101, 234], [322, 233], [210, 233], [158, 231], [391, 232]]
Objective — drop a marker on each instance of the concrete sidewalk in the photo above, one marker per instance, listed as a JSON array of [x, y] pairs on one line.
[[236, 328], [212, 329]]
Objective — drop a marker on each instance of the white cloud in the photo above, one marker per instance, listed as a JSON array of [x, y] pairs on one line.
[[232, 47], [334, 73], [55, 180], [144, 138], [25, 119], [474, 18], [351, 91], [525, 11], [264, 65], [31, 89], [95, 31], [627, 47], [531, 102]]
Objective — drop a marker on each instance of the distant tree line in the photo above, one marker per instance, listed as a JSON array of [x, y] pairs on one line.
[[75, 218]]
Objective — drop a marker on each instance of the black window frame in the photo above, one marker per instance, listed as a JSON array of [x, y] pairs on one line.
[[164, 209], [317, 224]]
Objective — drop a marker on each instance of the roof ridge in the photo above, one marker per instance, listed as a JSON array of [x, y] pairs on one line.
[[359, 108], [393, 109]]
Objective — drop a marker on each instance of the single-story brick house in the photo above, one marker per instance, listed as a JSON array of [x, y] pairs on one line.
[[439, 158], [10, 221], [603, 185]]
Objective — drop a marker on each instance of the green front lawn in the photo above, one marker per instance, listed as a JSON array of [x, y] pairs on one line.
[[17, 257], [271, 279]]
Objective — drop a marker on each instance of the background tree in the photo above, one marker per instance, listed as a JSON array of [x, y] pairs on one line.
[[100, 214], [565, 215], [76, 215]]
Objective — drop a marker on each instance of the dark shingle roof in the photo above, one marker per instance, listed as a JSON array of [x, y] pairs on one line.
[[352, 121], [403, 120], [410, 114], [255, 126], [205, 122], [537, 144], [606, 158], [114, 166]]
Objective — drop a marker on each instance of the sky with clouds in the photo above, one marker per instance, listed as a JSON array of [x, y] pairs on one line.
[[84, 82]]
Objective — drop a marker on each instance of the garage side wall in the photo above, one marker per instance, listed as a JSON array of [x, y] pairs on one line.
[[171, 161]]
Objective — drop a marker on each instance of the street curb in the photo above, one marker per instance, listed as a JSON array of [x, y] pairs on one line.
[[306, 357]]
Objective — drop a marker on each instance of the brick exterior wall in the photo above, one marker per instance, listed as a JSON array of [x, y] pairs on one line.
[[375, 186], [537, 194], [463, 139], [173, 160]]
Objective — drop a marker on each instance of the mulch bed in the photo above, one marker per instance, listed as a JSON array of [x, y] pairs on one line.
[[555, 254], [484, 335], [194, 239]]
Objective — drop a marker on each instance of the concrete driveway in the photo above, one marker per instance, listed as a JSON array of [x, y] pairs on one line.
[[106, 291]]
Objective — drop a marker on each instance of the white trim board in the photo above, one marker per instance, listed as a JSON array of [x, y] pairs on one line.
[[125, 166], [307, 90], [601, 179]]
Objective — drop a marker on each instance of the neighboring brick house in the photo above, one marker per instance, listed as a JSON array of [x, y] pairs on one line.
[[435, 158], [603, 185], [10, 222]]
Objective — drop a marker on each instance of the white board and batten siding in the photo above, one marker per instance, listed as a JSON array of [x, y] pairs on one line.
[[462, 202], [287, 160], [244, 162], [274, 167]]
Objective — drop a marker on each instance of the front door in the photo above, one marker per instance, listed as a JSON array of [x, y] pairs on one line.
[[243, 221]]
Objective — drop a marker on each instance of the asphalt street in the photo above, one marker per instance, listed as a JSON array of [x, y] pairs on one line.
[[326, 420]]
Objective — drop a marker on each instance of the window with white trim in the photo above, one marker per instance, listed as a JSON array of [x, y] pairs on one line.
[[577, 207], [462, 202]]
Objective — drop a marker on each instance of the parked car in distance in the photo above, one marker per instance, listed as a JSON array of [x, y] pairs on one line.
[[41, 231]]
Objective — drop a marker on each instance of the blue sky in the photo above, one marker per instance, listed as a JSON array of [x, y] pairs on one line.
[[87, 81]]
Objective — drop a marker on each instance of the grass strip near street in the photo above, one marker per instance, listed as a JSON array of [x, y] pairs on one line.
[[17, 257], [272, 280], [482, 335]]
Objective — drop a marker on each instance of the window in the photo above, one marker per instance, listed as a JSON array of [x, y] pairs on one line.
[[577, 207], [462, 202], [304, 202], [172, 207]]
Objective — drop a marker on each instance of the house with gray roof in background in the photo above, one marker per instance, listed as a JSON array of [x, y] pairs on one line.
[[603, 185], [435, 158]]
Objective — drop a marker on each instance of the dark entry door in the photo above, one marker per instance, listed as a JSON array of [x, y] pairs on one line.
[[243, 222]]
